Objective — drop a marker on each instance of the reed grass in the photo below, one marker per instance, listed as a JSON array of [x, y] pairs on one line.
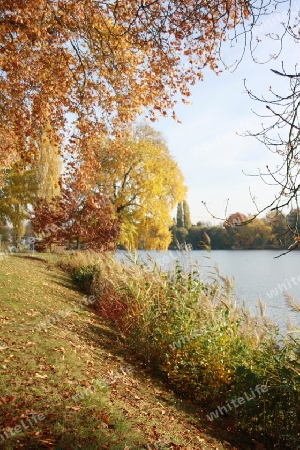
[[197, 338]]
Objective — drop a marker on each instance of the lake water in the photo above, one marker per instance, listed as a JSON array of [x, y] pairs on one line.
[[256, 273]]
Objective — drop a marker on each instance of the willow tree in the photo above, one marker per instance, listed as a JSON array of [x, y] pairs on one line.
[[18, 193], [143, 182]]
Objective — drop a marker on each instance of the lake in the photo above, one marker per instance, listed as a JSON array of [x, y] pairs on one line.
[[256, 273]]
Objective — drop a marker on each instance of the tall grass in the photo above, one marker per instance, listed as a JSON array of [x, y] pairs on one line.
[[196, 337]]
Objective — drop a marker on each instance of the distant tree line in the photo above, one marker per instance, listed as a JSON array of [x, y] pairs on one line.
[[272, 232]]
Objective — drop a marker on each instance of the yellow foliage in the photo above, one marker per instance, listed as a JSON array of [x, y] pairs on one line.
[[144, 184], [48, 163]]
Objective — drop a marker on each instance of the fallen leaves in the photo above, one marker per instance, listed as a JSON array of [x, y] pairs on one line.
[[74, 408], [3, 346], [7, 398], [38, 375], [103, 416], [48, 443], [44, 382]]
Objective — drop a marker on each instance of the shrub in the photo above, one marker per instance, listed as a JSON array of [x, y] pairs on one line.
[[81, 269]]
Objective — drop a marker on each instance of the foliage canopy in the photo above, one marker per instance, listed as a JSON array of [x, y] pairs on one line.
[[143, 183], [101, 62]]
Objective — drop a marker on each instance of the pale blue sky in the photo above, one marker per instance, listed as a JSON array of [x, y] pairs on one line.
[[206, 147]]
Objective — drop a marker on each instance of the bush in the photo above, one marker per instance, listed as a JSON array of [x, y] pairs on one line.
[[82, 270]]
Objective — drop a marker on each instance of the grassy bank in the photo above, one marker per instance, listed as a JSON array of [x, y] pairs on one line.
[[68, 380], [193, 335]]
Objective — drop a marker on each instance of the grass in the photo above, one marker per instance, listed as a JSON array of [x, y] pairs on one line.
[[120, 404], [196, 339]]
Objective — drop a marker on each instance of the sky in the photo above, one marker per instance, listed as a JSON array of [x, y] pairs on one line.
[[209, 152]]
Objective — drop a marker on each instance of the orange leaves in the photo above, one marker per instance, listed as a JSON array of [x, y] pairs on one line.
[[7, 399], [104, 417], [187, 52], [77, 218], [102, 62]]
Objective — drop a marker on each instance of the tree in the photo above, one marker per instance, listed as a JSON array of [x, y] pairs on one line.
[[103, 62], [284, 110], [186, 215], [128, 235], [179, 220], [255, 234], [234, 220], [232, 226], [183, 223], [181, 234], [194, 236], [8, 152], [74, 219], [24, 183], [17, 194], [143, 184], [293, 222], [282, 237], [245, 232], [218, 238]]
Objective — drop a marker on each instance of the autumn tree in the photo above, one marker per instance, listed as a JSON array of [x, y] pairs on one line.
[[8, 152], [255, 234], [234, 220], [143, 184], [232, 226], [73, 219], [17, 194], [248, 232], [282, 235], [101, 63], [25, 183]]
